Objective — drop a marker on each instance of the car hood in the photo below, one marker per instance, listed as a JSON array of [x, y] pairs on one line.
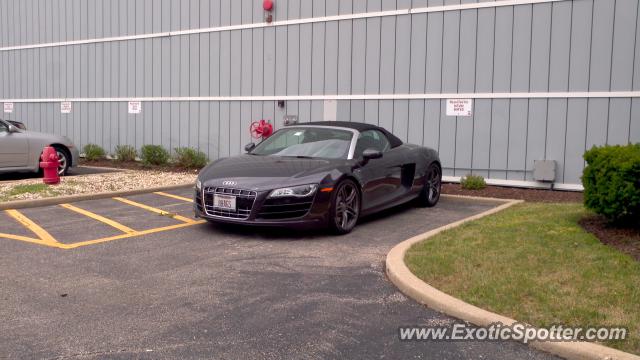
[[266, 172]]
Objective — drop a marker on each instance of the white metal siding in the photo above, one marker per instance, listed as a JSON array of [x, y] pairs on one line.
[[551, 78]]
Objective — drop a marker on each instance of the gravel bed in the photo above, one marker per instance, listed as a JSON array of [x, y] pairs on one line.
[[133, 165], [96, 183]]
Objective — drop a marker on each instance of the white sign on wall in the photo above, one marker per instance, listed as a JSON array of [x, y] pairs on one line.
[[330, 110], [65, 107], [459, 107], [135, 107], [8, 107]]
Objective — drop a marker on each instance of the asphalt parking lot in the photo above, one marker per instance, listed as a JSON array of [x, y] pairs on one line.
[[139, 277]]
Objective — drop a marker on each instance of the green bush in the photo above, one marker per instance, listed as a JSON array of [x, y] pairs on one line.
[[473, 182], [93, 152], [190, 158], [126, 153], [611, 181], [154, 155]]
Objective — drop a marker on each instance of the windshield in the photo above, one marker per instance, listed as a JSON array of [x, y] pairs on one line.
[[311, 142]]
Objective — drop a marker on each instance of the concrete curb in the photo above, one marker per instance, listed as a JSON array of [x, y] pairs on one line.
[[413, 287], [24, 204]]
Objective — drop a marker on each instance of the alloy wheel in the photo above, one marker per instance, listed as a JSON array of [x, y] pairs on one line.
[[434, 181], [347, 206], [62, 162]]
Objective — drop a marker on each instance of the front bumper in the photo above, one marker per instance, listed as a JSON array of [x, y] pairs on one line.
[[272, 212]]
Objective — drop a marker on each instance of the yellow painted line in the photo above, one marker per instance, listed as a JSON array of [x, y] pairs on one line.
[[47, 240], [18, 237], [126, 236], [174, 196], [33, 227], [102, 219], [31, 240], [155, 210]]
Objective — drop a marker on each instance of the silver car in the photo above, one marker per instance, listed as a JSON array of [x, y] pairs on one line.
[[20, 150]]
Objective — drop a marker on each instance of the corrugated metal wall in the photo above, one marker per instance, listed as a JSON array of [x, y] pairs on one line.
[[564, 46]]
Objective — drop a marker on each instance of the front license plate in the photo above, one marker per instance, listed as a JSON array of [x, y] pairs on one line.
[[224, 202]]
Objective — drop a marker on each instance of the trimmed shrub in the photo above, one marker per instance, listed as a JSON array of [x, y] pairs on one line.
[[473, 182], [611, 181], [154, 155], [93, 152], [190, 158], [125, 153]]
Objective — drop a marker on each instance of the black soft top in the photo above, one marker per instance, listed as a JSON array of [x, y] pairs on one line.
[[393, 140]]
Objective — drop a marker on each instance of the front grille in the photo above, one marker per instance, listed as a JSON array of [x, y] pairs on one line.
[[285, 208], [244, 202]]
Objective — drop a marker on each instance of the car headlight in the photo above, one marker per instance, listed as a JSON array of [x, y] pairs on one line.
[[294, 191], [198, 185]]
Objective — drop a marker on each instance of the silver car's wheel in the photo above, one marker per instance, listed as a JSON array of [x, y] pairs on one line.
[[63, 162]]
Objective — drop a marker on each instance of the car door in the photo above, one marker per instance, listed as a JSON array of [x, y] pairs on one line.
[[381, 178], [14, 148]]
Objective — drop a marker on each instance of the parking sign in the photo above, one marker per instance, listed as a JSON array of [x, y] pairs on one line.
[[135, 107], [459, 107], [65, 107]]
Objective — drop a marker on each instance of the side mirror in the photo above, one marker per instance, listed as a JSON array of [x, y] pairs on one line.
[[369, 154], [249, 147], [12, 129]]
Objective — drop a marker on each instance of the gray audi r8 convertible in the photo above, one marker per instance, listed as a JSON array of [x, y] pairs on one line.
[[318, 174]]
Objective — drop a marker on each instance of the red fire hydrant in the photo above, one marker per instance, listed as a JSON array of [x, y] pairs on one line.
[[49, 165]]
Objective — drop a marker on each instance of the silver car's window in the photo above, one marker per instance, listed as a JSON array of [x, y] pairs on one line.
[[307, 142], [3, 127]]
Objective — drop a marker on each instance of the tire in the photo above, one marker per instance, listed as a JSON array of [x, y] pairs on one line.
[[430, 194], [345, 207], [65, 160]]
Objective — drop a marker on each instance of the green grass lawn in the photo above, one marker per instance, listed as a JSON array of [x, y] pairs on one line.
[[534, 263], [27, 189], [11, 193]]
